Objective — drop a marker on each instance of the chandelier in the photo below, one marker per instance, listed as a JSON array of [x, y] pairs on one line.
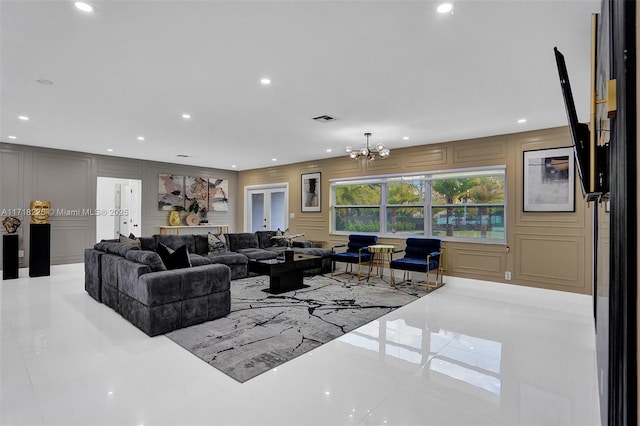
[[368, 153]]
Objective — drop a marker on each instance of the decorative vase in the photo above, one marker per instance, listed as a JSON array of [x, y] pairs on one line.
[[192, 219], [174, 218], [288, 255]]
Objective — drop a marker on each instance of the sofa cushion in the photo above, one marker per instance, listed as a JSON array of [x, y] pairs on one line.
[[119, 249], [216, 243], [243, 240], [147, 243], [197, 260], [229, 258], [146, 257], [264, 239], [258, 254], [201, 242], [174, 259]]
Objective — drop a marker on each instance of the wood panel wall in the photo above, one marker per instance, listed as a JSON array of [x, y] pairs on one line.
[[546, 250]]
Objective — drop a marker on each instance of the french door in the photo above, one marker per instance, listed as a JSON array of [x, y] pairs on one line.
[[266, 207]]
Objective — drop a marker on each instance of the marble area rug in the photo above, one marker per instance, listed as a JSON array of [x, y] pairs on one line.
[[263, 330]]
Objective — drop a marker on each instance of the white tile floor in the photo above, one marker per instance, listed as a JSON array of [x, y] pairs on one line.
[[472, 353]]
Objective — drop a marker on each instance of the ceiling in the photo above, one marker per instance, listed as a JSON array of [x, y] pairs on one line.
[[392, 68]]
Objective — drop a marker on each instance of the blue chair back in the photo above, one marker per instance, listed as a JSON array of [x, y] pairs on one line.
[[356, 242], [419, 248]]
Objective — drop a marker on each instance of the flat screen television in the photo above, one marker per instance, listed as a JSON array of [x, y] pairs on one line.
[[579, 131]]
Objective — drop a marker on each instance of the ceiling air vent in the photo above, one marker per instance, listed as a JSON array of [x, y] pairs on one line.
[[324, 118]]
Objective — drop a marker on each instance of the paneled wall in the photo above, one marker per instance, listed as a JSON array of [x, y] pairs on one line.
[[69, 180], [547, 250]]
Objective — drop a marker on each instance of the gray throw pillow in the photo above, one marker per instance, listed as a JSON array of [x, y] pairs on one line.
[[217, 243], [131, 239]]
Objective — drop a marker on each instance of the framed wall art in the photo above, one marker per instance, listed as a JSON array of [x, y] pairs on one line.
[[549, 180], [310, 192]]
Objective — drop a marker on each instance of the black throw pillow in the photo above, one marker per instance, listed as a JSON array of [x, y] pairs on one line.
[[174, 259]]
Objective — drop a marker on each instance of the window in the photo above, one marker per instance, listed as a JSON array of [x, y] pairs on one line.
[[467, 205]]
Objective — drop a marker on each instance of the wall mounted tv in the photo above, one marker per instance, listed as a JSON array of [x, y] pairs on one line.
[[591, 160]]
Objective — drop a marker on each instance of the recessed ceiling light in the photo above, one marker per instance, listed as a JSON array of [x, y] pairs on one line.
[[522, 120], [186, 116], [12, 137], [274, 159], [445, 7], [23, 117], [405, 138], [329, 150], [265, 81], [140, 138], [233, 166], [85, 7], [44, 81], [109, 150]]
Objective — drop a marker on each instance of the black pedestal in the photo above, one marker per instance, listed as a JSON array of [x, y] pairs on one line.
[[39, 249], [9, 256]]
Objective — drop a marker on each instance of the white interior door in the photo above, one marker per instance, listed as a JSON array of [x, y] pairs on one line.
[[267, 208], [118, 207]]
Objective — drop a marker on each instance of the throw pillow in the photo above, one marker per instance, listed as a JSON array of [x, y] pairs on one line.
[[174, 259], [217, 243], [131, 239]]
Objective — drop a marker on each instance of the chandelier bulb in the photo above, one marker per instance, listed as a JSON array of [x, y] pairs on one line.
[[368, 153]]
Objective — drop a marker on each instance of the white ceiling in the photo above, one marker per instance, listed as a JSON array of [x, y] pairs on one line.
[[392, 68]]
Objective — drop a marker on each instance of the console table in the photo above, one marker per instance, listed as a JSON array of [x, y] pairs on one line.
[[224, 229]]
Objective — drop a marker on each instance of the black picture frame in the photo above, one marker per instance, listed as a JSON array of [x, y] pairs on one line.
[[311, 192]]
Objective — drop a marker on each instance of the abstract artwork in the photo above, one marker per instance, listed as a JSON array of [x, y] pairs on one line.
[[196, 188], [170, 191], [310, 194], [549, 180], [218, 195]]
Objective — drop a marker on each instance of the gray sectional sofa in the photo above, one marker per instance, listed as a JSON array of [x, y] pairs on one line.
[[261, 245], [133, 280], [137, 285]]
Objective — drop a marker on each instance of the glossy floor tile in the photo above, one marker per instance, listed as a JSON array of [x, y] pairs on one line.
[[471, 353]]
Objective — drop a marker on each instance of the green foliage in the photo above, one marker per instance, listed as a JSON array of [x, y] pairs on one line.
[[367, 194], [361, 226]]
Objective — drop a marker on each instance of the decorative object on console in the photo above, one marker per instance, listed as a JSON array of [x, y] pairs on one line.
[[549, 180], [174, 217], [192, 218], [310, 194], [11, 224], [40, 210], [203, 215], [368, 153]]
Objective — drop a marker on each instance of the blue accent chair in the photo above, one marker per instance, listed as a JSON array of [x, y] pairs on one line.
[[357, 252], [421, 255]]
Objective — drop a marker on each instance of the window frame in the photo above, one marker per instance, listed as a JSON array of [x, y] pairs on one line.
[[427, 204]]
